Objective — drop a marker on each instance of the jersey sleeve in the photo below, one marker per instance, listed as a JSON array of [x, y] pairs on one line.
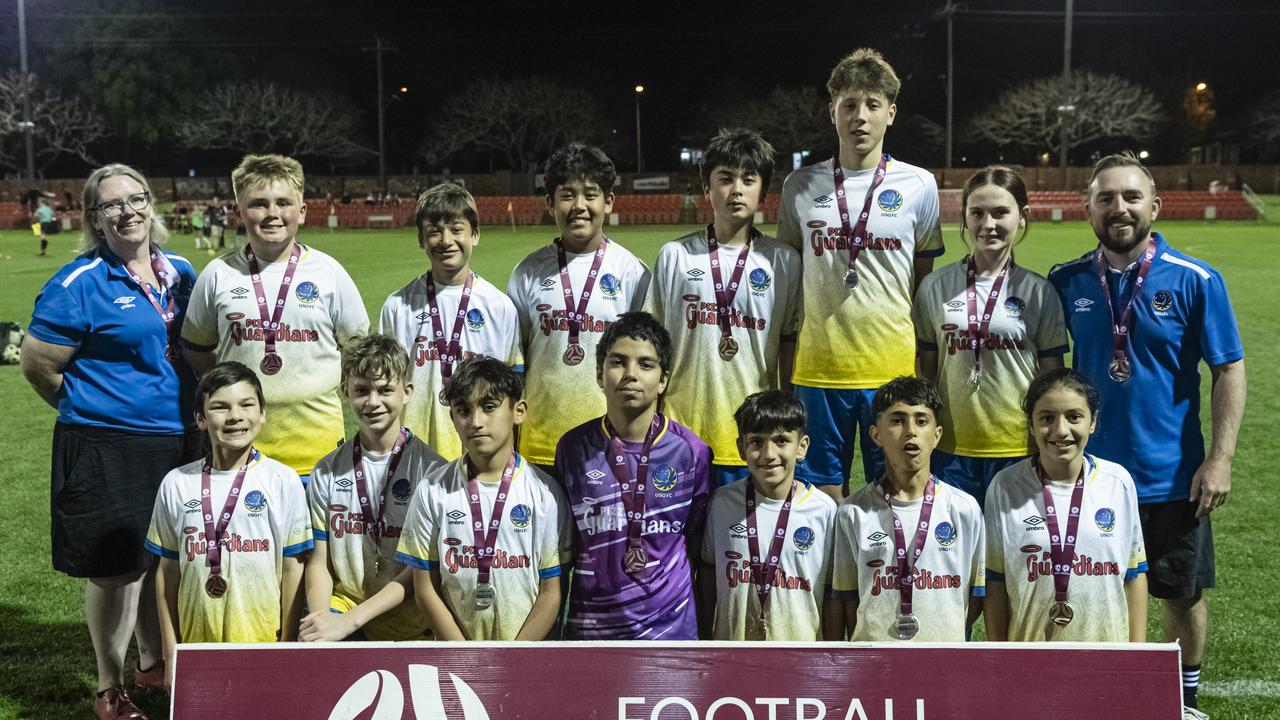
[[58, 317], [1051, 336], [921, 312], [701, 493], [978, 565], [510, 324], [708, 549], [844, 558], [1137, 547], [788, 223], [200, 325], [297, 536], [1219, 334], [387, 324], [654, 301], [347, 311], [828, 557], [318, 489], [552, 532], [417, 537], [928, 226], [994, 530], [515, 291], [641, 278], [163, 535]]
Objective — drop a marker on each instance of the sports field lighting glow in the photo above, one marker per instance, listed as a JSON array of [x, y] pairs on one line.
[[1144, 155], [1201, 87]]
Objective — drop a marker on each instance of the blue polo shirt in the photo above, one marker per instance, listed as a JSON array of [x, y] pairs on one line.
[[1151, 424], [118, 377]]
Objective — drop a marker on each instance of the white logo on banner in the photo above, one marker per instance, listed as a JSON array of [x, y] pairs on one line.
[[381, 691]]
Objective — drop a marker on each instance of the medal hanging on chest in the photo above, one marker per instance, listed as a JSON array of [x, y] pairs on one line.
[[375, 525], [1120, 369], [216, 584], [634, 492], [169, 311], [449, 349], [575, 313], [1062, 548], [980, 326], [855, 233], [764, 568], [725, 293], [906, 625], [485, 543], [272, 362]]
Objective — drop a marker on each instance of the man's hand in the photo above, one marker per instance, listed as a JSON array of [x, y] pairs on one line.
[[1211, 485]]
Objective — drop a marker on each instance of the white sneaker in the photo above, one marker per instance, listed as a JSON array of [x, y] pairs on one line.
[[1190, 713]]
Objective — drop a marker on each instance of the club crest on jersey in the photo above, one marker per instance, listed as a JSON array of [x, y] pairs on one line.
[[401, 490], [475, 319], [520, 516], [610, 285], [803, 538], [255, 502], [889, 200], [1105, 518], [307, 292], [945, 534], [760, 280], [664, 478], [1162, 301], [1014, 306]]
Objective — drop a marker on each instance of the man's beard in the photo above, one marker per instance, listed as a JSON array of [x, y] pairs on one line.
[[1124, 244]]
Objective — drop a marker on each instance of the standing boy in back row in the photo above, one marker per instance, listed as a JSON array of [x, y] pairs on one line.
[[867, 229]]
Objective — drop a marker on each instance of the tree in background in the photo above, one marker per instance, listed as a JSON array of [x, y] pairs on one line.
[[791, 119], [62, 125], [1262, 125]]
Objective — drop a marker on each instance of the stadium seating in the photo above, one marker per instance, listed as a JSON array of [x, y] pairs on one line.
[[1176, 205]]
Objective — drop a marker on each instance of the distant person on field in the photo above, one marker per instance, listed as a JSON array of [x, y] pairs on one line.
[[48, 222], [198, 225], [216, 219]]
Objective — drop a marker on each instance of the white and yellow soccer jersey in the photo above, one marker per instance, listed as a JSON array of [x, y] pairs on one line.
[[1027, 325], [949, 571], [322, 311], [533, 542], [491, 329], [561, 396], [859, 338], [804, 567], [1109, 551], [705, 390], [269, 524], [362, 564]]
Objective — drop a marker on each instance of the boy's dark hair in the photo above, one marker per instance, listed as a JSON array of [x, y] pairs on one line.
[[444, 203], [375, 356], [739, 149], [637, 326], [909, 390], [769, 411], [1061, 378], [577, 161], [491, 379], [226, 374]]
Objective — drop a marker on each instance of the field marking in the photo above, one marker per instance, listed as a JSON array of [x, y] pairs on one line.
[[1239, 688]]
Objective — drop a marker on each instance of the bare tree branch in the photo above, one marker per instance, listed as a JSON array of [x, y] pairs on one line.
[[62, 126], [1262, 125]]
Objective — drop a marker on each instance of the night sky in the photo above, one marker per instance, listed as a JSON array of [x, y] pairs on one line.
[[688, 55]]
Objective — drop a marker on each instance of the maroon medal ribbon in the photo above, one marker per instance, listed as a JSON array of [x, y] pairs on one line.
[[1062, 550], [634, 490], [271, 361], [725, 294], [906, 568], [374, 525], [856, 234], [980, 326], [170, 310], [448, 350], [574, 314], [216, 585], [486, 542], [1120, 367], [767, 568]]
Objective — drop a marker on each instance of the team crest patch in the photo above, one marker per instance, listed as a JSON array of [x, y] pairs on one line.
[[255, 501], [610, 285], [307, 292], [760, 280], [1014, 306], [401, 490], [475, 319], [520, 516], [1105, 519], [889, 200], [1162, 301], [803, 538], [664, 478], [945, 534]]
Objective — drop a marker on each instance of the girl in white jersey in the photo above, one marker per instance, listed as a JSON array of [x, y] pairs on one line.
[[1065, 557], [985, 328]]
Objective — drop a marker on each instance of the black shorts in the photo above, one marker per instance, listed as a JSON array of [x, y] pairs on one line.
[[104, 489], [1179, 550]]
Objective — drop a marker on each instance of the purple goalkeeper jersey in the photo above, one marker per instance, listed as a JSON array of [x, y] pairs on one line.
[[657, 603]]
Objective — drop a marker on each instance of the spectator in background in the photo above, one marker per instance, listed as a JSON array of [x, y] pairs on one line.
[[48, 222]]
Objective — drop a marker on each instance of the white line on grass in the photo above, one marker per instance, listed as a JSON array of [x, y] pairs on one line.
[[1239, 688]]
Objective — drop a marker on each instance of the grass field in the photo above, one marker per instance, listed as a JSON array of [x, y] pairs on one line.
[[46, 661]]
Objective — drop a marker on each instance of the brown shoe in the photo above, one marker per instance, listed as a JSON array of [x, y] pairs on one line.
[[153, 678], [114, 704]]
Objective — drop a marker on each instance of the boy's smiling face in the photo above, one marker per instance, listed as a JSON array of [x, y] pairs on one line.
[[580, 208], [377, 403], [232, 416], [771, 456]]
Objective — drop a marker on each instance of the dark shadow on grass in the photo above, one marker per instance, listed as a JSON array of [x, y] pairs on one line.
[[47, 669]]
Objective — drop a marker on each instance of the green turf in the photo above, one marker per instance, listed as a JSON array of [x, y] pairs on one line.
[[46, 662]]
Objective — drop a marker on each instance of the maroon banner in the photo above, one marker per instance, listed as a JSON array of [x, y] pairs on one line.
[[676, 681]]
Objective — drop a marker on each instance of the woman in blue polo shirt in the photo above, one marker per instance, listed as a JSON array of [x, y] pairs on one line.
[[101, 349]]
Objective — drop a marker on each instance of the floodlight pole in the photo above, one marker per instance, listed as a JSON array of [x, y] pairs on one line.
[[639, 153], [380, 47], [1067, 102], [28, 125], [949, 12]]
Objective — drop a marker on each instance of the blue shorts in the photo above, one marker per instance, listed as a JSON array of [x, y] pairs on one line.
[[970, 474], [836, 418], [306, 479], [722, 475]]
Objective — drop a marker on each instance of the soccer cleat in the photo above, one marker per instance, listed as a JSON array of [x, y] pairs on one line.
[[114, 704], [153, 678], [1190, 713]]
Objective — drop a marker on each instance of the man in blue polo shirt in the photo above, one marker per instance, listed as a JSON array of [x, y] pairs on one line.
[[1143, 316]]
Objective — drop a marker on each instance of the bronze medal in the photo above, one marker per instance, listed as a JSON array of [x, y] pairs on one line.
[[271, 364], [635, 560], [1119, 370], [574, 355], [215, 587], [1061, 613], [728, 348]]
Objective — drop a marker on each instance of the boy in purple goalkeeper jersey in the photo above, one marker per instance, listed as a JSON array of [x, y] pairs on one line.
[[639, 485]]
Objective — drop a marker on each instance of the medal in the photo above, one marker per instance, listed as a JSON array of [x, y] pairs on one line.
[[1062, 550], [1119, 370], [906, 626], [980, 325], [375, 525], [443, 400], [169, 311], [975, 378], [215, 586], [633, 491], [170, 354], [271, 364], [574, 354], [725, 294], [448, 350], [728, 348], [855, 234], [764, 569], [484, 595], [270, 321], [635, 560], [1060, 614], [757, 628]]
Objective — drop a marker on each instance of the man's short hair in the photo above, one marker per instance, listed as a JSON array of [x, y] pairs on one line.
[[770, 411], [257, 171], [864, 69], [445, 203], [375, 356], [637, 325], [909, 390], [577, 161], [1124, 159], [490, 379], [739, 149], [226, 374]]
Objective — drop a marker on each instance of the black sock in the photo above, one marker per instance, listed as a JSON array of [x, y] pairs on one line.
[[1190, 684]]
